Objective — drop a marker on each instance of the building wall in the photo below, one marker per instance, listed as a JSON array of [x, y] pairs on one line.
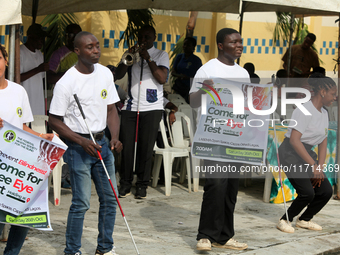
[[257, 35]]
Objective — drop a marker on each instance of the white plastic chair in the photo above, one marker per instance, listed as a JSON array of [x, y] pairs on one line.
[[178, 139], [189, 135], [176, 97], [57, 171], [177, 131], [39, 125], [187, 110], [168, 154]]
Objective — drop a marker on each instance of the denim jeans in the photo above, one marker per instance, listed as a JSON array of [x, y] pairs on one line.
[[82, 167], [16, 239]]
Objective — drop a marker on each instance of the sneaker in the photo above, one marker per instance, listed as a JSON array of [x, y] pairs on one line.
[[285, 227], [124, 191], [140, 193], [203, 244], [112, 252], [231, 244], [77, 253], [308, 225]]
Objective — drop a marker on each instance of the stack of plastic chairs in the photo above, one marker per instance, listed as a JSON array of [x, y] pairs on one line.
[[176, 99], [178, 138], [169, 154], [185, 108]]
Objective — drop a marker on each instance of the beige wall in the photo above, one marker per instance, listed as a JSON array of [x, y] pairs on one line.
[[257, 35]]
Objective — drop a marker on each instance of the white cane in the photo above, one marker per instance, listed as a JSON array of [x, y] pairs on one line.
[[106, 172], [280, 177], [137, 121], [45, 92], [278, 161]]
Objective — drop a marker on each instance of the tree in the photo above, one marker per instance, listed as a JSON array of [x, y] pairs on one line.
[[56, 25], [283, 28], [177, 49], [136, 20], [285, 25]]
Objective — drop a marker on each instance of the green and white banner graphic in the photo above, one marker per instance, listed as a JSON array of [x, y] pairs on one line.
[[224, 135], [26, 161]]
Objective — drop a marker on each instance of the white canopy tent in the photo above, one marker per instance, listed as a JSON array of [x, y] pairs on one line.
[[62, 6], [10, 12], [303, 7]]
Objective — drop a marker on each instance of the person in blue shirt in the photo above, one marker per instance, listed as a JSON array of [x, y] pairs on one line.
[[185, 67]]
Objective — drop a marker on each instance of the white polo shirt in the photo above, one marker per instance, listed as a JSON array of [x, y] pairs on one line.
[[151, 91], [314, 128], [216, 69], [95, 92], [14, 105]]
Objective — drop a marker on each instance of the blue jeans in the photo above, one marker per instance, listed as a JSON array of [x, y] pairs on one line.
[[16, 239], [82, 166]]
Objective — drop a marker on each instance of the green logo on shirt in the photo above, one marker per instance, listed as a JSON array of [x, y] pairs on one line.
[[104, 94], [19, 112]]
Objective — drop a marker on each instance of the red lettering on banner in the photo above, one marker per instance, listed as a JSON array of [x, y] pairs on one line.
[[18, 184], [234, 124]]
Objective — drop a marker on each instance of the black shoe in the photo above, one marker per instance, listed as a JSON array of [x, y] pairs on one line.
[[140, 193], [124, 191]]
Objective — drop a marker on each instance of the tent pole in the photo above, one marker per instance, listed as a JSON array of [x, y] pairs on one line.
[[11, 53], [35, 5], [17, 54], [241, 25], [290, 44], [338, 133]]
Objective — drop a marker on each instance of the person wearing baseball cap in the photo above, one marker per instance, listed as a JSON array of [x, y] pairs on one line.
[[32, 67]]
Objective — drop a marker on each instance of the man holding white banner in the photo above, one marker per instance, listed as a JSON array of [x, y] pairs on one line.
[[15, 109], [216, 227]]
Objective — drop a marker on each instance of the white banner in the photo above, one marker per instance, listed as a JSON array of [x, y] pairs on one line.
[[26, 161], [224, 135]]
